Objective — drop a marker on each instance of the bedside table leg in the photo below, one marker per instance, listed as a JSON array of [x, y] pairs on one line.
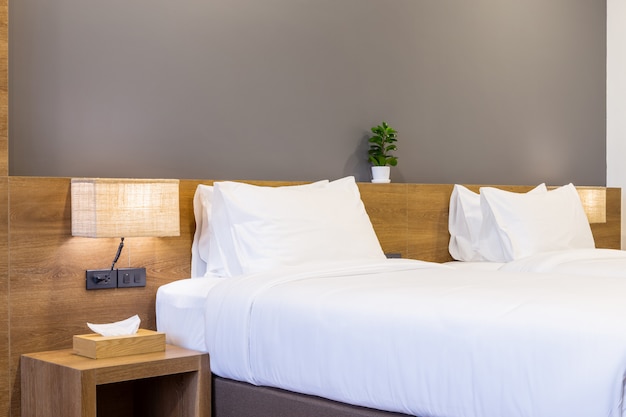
[[73, 393], [203, 391], [88, 396]]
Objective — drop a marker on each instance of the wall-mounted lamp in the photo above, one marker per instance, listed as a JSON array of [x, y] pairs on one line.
[[593, 200], [115, 207]]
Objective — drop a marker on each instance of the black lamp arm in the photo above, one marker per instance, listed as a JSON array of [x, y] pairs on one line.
[[117, 255]]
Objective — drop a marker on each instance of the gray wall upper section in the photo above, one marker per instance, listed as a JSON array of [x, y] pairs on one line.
[[482, 91]]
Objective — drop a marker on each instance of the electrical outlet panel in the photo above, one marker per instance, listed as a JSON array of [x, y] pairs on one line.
[[99, 279], [131, 277]]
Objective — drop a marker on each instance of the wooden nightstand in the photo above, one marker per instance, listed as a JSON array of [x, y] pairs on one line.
[[173, 383]]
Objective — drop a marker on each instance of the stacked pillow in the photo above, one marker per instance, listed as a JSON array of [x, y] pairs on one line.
[[202, 205], [254, 229], [502, 226]]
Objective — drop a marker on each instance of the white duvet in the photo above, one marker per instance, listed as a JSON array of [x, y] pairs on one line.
[[605, 262], [426, 339]]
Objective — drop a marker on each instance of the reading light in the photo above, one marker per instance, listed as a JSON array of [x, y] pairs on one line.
[[594, 203], [114, 207]]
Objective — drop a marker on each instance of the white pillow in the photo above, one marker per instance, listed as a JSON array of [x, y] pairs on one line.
[[465, 222], [200, 247], [202, 202], [273, 226], [526, 224], [222, 258]]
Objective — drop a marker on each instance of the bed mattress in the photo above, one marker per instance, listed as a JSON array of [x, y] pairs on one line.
[[425, 339], [180, 311]]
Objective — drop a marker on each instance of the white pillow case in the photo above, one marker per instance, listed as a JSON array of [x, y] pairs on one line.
[[265, 227], [219, 254], [202, 202], [465, 222], [200, 247], [526, 224]]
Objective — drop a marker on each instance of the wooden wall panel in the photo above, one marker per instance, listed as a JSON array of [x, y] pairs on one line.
[[387, 208], [5, 381], [428, 222], [49, 302]]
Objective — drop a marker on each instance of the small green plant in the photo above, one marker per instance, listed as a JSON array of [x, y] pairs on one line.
[[382, 143]]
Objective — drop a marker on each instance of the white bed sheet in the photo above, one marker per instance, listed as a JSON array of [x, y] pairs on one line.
[[426, 339], [180, 311]]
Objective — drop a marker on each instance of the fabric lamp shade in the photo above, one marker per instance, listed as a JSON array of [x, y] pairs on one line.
[[114, 207], [594, 203]]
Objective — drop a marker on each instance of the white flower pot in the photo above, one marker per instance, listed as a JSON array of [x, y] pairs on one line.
[[380, 174]]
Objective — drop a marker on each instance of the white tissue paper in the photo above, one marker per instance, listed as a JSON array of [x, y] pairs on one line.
[[119, 328]]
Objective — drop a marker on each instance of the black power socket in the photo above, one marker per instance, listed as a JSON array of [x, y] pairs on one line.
[[99, 279]]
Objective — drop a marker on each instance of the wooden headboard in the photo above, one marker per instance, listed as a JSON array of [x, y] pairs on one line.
[[412, 219], [417, 225], [47, 301]]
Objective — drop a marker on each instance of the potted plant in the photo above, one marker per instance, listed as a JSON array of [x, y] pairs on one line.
[[382, 143]]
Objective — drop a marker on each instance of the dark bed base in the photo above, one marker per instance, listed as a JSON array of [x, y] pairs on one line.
[[238, 399]]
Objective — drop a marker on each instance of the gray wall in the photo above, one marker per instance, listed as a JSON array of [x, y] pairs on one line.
[[482, 91]]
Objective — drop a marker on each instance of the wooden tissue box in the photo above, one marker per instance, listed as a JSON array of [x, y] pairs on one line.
[[96, 346]]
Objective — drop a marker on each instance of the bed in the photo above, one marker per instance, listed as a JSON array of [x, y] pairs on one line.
[[418, 338]]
